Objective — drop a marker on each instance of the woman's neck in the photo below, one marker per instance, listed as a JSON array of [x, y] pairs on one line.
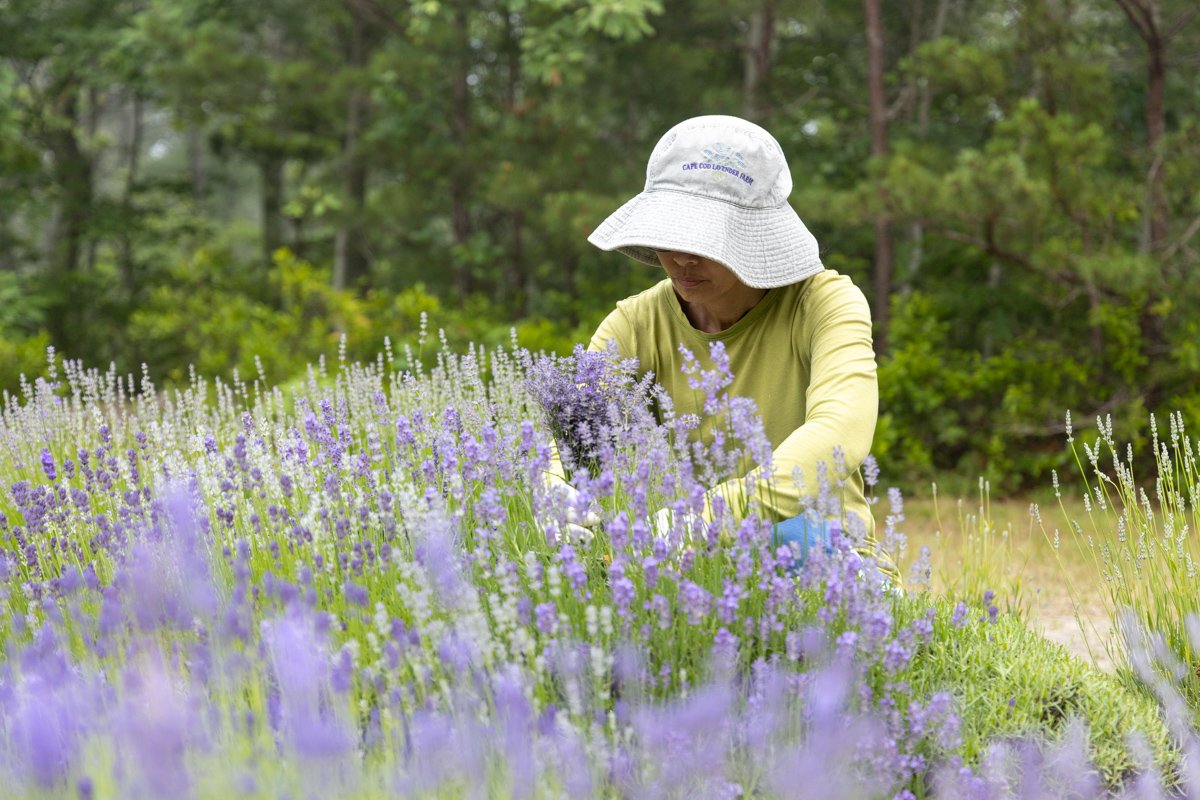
[[719, 315]]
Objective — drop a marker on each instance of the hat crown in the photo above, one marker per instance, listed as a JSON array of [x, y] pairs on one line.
[[723, 158]]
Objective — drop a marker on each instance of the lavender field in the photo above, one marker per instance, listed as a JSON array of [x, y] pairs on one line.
[[362, 584]]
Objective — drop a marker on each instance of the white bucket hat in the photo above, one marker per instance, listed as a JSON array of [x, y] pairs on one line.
[[717, 187]]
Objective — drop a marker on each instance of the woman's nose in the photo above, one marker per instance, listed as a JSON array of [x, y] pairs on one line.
[[685, 259]]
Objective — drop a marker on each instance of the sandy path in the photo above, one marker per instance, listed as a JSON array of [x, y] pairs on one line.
[[1055, 617]]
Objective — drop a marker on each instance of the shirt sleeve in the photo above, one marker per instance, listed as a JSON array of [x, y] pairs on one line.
[[615, 327], [842, 404]]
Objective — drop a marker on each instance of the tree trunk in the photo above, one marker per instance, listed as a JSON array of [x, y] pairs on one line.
[[350, 254], [96, 102], [133, 152], [460, 127], [271, 173], [758, 52], [197, 167], [1146, 19], [1156, 126], [924, 99], [73, 174], [516, 284], [516, 274], [879, 141], [994, 277]]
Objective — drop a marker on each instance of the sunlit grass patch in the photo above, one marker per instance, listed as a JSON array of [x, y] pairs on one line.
[[979, 544]]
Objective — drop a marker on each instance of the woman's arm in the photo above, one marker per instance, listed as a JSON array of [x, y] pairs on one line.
[[841, 409]]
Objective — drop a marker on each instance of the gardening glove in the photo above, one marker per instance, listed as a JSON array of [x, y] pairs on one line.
[[567, 496], [692, 526], [575, 534]]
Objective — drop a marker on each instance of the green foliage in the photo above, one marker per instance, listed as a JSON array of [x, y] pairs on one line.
[[459, 153], [950, 410], [562, 40], [21, 356], [217, 317]]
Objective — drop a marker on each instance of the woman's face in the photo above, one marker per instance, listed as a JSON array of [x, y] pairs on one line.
[[697, 279]]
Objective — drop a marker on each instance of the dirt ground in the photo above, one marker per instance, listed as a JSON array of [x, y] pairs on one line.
[[1085, 637]]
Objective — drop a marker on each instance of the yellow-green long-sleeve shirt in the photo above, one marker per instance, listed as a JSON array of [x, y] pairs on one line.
[[804, 354]]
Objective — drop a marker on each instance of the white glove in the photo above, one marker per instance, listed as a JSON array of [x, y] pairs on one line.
[[575, 534], [690, 525], [568, 496]]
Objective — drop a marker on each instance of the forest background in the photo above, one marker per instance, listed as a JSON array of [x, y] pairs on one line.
[[237, 185]]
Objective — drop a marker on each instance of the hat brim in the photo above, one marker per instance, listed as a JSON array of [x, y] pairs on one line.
[[764, 247]]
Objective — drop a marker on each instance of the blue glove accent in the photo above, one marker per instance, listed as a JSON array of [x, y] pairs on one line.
[[806, 534]]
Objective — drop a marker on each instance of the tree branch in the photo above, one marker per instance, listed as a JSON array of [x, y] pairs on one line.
[[985, 245], [372, 11], [903, 100], [1181, 22], [1145, 27], [1060, 428], [1184, 239]]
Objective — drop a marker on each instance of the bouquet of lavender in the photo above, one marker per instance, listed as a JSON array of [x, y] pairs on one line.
[[592, 401]]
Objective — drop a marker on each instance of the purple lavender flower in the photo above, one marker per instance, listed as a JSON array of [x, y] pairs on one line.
[[896, 656], [731, 598], [546, 615], [661, 607], [711, 382], [356, 595], [515, 719], [572, 569], [847, 645], [684, 744], [170, 580], [922, 629], [43, 727], [158, 723], [694, 600], [48, 464], [870, 468], [302, 670], [622, 588], [959, 617], [71, 582], [725, 646], [439, 557]]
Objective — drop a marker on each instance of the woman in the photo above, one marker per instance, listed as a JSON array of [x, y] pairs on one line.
[[743, 270]]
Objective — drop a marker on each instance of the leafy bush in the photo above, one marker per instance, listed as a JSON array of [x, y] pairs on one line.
[[946, 410], [215, 317], [21, 356]]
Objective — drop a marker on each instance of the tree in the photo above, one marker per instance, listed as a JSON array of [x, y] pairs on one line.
[[877, 102], [55, 54], [1146, 17]]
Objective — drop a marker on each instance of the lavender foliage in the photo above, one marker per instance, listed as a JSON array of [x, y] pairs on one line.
[[359, 585]]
